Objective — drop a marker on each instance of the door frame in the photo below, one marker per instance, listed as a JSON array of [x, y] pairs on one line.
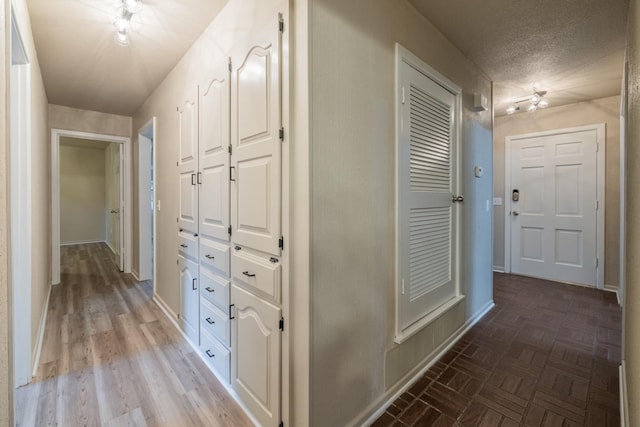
[[600, 191], [56, 134], [148, 131]]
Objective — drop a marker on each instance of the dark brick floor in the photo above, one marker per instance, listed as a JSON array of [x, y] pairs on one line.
[[546, 355]]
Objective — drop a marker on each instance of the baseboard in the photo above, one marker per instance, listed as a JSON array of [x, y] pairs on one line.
[[624, 397], [110, 247], [613, 289], [43, 322], [173, 318], [135, 275], [81, 242], [376, 409], [498, 269]]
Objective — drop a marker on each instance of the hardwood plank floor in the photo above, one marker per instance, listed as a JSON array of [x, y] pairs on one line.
[[546, 355], [111, 358]]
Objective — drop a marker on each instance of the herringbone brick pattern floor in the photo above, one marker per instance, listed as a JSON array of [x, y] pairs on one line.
[[546, 355]]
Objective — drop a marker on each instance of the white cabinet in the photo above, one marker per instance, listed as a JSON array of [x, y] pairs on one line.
[[188, 164], [190, 301], [256, 357]]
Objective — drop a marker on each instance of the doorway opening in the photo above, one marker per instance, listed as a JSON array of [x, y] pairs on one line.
[[146, 203], [71, 223]]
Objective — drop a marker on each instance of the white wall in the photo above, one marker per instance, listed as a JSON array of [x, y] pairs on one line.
[[605, 110], [355, 363], [631, 317], [82, 194]]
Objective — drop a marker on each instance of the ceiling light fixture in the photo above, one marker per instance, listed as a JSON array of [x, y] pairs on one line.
[[122, 22], [536, 100]]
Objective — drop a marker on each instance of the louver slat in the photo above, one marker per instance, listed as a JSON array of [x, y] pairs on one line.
[[429, 135], [430, 249]]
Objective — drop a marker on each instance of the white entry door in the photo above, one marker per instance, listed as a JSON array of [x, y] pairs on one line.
[[554, 204]]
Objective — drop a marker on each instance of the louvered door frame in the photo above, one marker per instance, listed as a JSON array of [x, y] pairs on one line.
[[427, 177]]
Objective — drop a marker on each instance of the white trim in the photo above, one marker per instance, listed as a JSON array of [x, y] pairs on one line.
[[498, 269], [624, 396], [113, 251], [56, 134], [227, 386], [43, 323], [82, 242], [600, 129], [135, 275], [149, 128], [375, 410]]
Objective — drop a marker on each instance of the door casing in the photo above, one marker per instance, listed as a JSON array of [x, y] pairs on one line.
[[600, 186], [56, 134]]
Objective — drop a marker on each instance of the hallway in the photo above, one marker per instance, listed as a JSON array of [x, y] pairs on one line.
[[110, 357], [546, 355]]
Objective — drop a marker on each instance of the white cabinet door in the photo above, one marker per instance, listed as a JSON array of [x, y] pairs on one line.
[[255, 136], [256, 344], [214, 156], [188, 164], [189, 296]]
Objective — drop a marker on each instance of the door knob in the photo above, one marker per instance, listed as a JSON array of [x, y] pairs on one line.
[[515, 213], [458, 199]]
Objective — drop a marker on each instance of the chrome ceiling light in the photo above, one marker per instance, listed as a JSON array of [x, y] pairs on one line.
[[536, 100], [122, 22]]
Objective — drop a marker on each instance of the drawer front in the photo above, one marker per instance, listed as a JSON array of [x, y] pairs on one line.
[[216, 355], [214, 289], [216, 322], [215, 255], [188, 245], [257, 274]]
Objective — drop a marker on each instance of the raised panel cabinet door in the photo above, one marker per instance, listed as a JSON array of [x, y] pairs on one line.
[[256, 357], [189, 298], [214, 143], [188, 163], [256, 140]]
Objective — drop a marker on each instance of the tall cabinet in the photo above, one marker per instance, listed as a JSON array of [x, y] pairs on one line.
[[230, 219]]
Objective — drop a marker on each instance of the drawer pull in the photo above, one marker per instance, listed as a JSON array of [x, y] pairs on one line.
[[207, 256], [209, 289], [208, 352], [193, 284], [246, 273], [209, 321], [184, 246]]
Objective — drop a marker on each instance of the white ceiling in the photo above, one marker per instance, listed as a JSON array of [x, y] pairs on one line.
[[571, 48], [574, 49], [84, 68]]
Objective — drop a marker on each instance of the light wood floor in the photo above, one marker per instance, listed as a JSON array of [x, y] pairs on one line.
[[111, 357]]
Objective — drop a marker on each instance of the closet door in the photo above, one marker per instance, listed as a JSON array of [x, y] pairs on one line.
[[188, 163], [214, 156], [256, 344], [255, 135]]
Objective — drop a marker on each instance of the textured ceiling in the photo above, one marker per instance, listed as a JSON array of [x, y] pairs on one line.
[[83, 67], [574, 49]]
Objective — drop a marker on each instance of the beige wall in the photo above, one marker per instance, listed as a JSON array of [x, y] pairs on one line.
[[67, 118], [82, 194], [606, 110], [355, 364], [6, 374], [631, 318]]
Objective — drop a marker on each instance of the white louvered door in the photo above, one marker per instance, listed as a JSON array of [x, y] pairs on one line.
[[427, 216], [188, 164]]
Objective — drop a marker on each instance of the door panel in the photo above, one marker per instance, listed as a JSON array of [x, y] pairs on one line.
[[214, 156], [255, 136], [188, 164], [256, 343], [190, 301], [553, 224]]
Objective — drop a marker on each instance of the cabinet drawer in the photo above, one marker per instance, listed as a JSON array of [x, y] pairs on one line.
[[188, 245], [257, 274], [214, 289], [215, 255], [216, 322], [216, 355]]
